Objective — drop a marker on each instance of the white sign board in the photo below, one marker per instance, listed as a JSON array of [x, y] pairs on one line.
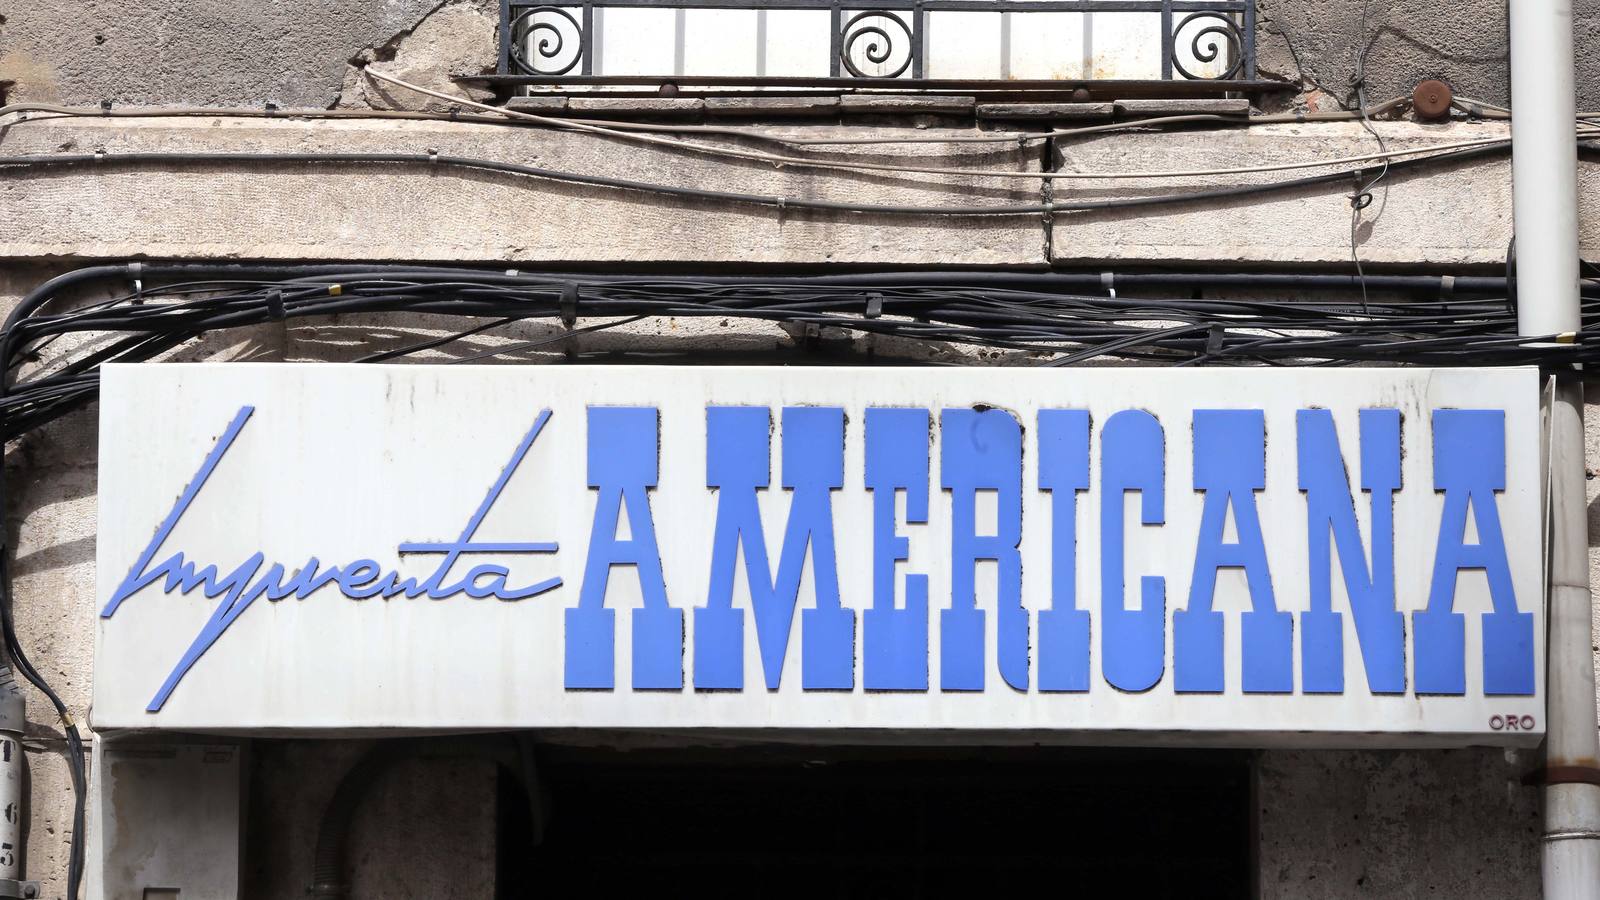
[[1251, 555]]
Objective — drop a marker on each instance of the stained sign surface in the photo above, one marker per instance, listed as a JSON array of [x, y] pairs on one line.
[[1246, 556]]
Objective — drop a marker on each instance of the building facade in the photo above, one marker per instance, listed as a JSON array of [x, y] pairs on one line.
[[1288, 158]]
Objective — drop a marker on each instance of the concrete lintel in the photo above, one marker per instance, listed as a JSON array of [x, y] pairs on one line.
[[1447, 214], [418, 212]]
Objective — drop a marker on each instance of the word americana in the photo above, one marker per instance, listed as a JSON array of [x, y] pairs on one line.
[[980, 449]]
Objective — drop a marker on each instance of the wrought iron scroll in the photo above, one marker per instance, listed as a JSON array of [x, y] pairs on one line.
[[887, 39], [881, 38], [543, 36], [1211, 36]]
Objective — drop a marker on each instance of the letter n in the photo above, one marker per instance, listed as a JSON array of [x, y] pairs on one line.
[[623, 447], [1331, 522]]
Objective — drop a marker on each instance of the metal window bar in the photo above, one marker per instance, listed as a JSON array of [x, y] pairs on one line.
[[542, 41]]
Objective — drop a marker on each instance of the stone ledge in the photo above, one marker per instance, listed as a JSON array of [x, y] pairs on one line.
[[1220, 106], [550, 104], [1011, 111], [892, 104], [406, 212], [646, 107], [1449, 214], [772, 106]]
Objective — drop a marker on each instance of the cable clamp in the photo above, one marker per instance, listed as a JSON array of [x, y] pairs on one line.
[[874, 305], [454, 111], [22, 890], [105, 107], [335, 290], [271, 108], [1447, 286], [1108, 280], [136, 272], [1362, 198], [275, 310], [433, 156], [1567, 337], [512, 273], [1214, 339], [569, 304], [67, 721], [782, 206], [99, 154]]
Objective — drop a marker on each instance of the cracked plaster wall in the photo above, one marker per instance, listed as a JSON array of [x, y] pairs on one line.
[[296, 53], [305, 53]]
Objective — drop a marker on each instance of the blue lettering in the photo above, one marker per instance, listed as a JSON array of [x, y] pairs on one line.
[[1230, 466], [982, 450], [1064, 628], [895, 639], [1133, 643], [623, 443], [738, 465], [1331, 520], [358, 577], [1469, 466], [358, 580]]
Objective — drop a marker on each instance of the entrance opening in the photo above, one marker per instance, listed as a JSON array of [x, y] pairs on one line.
[[758, 822]]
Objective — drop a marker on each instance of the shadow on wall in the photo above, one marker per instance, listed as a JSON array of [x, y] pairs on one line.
[[1320, 43]]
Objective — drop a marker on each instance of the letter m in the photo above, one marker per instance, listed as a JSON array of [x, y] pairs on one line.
[[738, 465]]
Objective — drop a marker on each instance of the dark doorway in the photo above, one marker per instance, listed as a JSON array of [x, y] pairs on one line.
[[760, 822]]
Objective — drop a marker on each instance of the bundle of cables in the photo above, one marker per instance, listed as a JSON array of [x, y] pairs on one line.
[[54, 342], [1060, 318]]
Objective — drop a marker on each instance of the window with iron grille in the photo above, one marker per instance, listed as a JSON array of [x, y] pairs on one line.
[[817, 41]]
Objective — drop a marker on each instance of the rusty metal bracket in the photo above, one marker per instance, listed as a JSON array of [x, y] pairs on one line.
[[1431, 100], [1563, 775]]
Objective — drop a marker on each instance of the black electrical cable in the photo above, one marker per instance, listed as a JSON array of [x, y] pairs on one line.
[[1038, 312]]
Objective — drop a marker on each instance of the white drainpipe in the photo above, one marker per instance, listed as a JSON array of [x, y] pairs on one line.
[[12, 779], [1545, 181]]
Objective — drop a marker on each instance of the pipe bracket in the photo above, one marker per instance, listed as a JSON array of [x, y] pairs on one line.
[[21, 890], [1563, 775]]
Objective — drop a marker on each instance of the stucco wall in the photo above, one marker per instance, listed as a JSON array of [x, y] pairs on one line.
[[214, 52], [1398, 824], [297, 53], [1333, 824]]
